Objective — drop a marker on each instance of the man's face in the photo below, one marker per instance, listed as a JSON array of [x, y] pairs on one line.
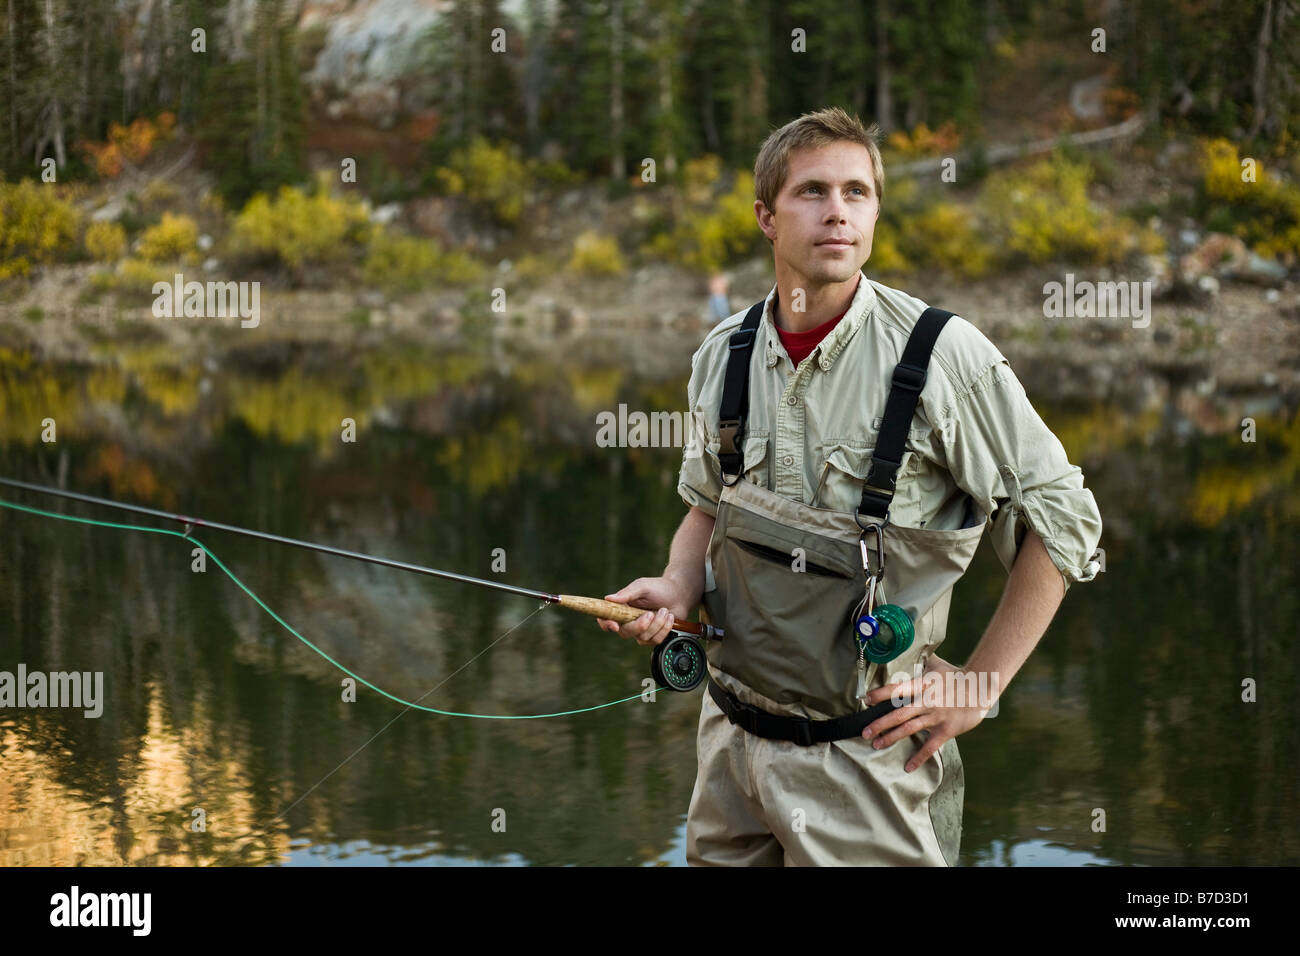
[[829, 193]]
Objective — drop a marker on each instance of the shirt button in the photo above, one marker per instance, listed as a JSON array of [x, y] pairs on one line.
[[792, 400], [788, 460]]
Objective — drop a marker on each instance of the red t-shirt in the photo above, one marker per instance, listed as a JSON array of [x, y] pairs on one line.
[[799, 345]]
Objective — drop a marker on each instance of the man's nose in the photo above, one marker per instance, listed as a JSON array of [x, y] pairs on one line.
[[837, 211]]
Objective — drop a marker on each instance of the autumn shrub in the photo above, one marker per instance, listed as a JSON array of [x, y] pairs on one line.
[[407, 263], [535, 267], [105, 241], [1249, 201], [128, 144], [922, 141], [1041, 213], [491, 177], [712, 234], [296, 228], [886, 257], [946, 236], [36, 226], [173, 237], [594, 254], [134, 277]]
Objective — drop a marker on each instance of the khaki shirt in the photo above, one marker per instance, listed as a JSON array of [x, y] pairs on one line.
[[810, 431]]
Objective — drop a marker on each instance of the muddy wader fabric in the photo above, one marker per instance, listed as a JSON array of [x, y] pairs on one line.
[[783, 579]]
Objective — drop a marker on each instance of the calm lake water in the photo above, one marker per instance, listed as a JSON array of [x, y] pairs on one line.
[[1132, 703]]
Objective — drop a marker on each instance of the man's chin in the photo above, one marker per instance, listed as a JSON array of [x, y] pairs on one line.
[[831, 273]]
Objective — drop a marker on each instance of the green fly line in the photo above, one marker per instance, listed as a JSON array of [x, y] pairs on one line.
[[288, 627]]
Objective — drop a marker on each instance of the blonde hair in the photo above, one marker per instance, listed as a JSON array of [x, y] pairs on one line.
[[825, 126]]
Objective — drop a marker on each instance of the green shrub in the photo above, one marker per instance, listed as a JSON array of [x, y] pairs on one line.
[[105, 241], [36, 226], [553, 173]]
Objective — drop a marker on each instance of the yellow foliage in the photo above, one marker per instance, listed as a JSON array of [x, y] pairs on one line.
[[532, 266], [407, 263], [491, 176], [699, 177], [131, 276], [296, 408], [710, 237], [945, 235], [175, 391], [28, 395], [105, 241], [174, 237], [398, 375], [296, 227], [1042, 213], [35, 226], [594, 388], [594, 254], [1223, 171], [885, 254], [106, 386], [1266, 212]]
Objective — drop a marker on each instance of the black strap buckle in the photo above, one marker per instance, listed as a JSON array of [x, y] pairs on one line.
[[740, 712], [802, 729], [909, 377], [728, 432], [742, 339]]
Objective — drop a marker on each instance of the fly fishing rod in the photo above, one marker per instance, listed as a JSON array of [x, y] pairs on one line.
[[677, 662]]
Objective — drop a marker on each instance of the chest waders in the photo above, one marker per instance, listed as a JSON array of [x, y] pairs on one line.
[[814, 603]]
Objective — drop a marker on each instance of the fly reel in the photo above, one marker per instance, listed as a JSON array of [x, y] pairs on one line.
[[886, 634], [678, 662]]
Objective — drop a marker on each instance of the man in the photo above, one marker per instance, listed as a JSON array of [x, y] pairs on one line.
[[869, 424]]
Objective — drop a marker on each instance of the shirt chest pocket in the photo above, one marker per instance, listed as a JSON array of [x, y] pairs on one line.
[[845, 465]]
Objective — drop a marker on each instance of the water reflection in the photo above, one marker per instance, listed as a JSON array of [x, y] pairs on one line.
[[1132, 704]]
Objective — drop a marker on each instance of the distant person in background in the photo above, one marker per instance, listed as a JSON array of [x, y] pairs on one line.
[[719, 304]]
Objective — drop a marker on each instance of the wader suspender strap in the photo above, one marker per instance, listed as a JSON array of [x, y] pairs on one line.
[[904, 392], [735, 397]]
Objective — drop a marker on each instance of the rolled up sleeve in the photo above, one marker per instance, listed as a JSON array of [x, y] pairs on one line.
[[1001, 453], [697, 484]]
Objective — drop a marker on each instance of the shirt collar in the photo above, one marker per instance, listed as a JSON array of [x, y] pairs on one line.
[[829, 348]]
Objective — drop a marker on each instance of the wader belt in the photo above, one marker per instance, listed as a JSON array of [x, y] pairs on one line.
[[799, 730]]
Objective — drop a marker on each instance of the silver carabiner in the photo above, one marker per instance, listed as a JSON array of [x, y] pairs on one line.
[[879, 548]]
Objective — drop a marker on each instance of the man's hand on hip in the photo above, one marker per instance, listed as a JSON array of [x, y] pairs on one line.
[[942, 704]]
